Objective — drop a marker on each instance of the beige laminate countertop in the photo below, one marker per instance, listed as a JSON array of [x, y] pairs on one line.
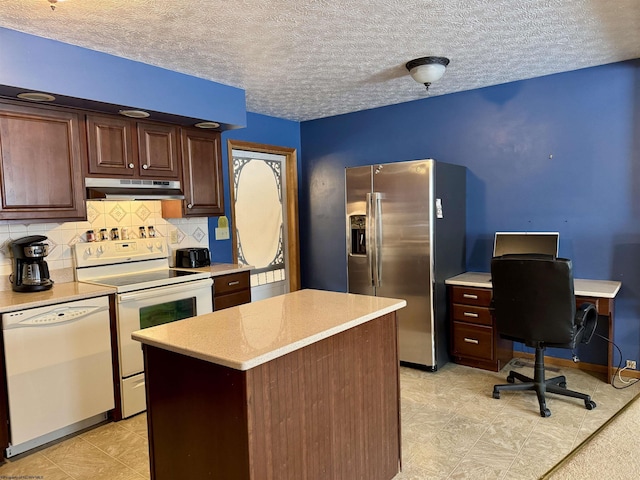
[[582, 287], [249, 335], [217, 269], [11, 301]]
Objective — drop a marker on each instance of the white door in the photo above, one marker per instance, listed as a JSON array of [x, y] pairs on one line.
[[259, 187]]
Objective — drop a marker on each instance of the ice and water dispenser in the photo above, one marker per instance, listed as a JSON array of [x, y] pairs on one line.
[[358, 234]]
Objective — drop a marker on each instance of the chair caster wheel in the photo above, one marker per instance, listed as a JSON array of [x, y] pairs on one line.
[[496, 395], [590, 404], [562, 384], [545, 412], [510, 379]]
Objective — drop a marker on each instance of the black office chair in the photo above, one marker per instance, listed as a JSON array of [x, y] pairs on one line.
[[534, 303]]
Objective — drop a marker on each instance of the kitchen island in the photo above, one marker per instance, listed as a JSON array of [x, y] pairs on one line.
[[303, 385]]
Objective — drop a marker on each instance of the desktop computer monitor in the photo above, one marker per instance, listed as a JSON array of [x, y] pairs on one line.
[[545, 243]]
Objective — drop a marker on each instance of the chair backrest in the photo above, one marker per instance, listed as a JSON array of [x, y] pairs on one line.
[[534, 300]]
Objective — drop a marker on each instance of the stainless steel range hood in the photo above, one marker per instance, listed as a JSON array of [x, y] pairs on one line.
[[132, 189]]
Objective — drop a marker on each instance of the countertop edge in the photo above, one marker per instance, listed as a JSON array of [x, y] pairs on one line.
[[218, 269], [278, 352], [583, 287], [11, 301]]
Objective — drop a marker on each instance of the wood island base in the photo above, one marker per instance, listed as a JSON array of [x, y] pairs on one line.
[[329, 410]]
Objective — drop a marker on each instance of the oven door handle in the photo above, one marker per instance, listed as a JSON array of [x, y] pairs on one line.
[[159, 292]]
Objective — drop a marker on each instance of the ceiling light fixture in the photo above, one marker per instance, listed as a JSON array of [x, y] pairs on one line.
[[134, 113], [427, 69], [54, 2]]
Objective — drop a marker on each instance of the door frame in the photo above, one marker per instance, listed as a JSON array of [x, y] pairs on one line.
[[291, 164]]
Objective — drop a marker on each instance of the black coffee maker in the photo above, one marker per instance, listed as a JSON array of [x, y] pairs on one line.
[[30, 271]]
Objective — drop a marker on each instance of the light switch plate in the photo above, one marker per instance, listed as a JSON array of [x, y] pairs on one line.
[[222, 233]]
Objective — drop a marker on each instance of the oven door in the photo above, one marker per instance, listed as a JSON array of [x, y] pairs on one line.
[[155, 306]]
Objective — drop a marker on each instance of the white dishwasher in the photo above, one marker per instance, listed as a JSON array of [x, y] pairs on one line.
[[59, 370]]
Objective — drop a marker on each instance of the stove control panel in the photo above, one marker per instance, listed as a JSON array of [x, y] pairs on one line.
[[127, 246], [90, 254]]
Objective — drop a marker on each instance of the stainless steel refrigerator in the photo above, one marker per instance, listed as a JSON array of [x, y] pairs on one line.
[[405, 237]]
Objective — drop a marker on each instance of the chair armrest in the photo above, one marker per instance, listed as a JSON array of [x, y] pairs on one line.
[[586, 320]]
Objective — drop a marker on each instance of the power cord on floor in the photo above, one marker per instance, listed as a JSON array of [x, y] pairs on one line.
[[620, 369], [626, 382]]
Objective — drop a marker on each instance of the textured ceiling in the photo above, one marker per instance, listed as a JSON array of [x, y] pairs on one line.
[[307, 59]]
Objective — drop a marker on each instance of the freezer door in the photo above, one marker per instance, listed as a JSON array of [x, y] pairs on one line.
[[405, 243], [359, 260]]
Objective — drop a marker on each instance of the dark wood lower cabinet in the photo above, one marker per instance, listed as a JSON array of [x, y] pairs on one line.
[[330, 410], [475, 340], [231, 290]]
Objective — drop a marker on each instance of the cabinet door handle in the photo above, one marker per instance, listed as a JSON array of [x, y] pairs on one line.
[[469, 295], [470, 314], [190, 205], [131, 165], [145, 166], [233, 283], [471, 340]]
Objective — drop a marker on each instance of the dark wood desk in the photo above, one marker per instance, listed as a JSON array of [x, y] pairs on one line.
[[486, 350]]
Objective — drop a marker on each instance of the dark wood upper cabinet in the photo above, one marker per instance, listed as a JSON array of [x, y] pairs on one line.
[[45, 152], [122, 147], [202, 175], [111, 148], [158, 150], [42, 153]]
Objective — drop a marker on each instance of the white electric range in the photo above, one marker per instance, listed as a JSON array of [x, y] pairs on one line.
[[148, 293]]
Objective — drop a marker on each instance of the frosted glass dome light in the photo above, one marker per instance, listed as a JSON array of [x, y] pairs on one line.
[[427, 70]]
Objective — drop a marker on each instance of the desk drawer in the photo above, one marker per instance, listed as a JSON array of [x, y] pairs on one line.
[[471, 296], [473, 341], [472, 314]]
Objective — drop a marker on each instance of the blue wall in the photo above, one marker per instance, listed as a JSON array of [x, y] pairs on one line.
[[36, 63], [587, 120], [260, 129], [557, 153], [40, 64]]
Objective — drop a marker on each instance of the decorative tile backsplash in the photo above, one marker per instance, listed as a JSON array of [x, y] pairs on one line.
[[187, 232]]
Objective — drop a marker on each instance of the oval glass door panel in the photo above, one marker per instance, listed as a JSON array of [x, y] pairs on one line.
[[259, 229], [261, 220]]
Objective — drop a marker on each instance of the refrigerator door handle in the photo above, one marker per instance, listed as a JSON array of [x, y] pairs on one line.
[[377, 214], [369, 244]]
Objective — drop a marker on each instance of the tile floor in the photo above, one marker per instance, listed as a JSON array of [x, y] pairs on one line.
[[452, 428]]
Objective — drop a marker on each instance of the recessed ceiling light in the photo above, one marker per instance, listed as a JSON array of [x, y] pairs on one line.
[[134, 113], [36, 96], [207, 125]]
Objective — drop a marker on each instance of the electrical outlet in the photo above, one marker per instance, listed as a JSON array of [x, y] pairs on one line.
[[631, 364], [173, 236]]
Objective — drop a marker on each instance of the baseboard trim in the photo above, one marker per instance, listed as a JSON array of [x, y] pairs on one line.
[[566, 363]]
